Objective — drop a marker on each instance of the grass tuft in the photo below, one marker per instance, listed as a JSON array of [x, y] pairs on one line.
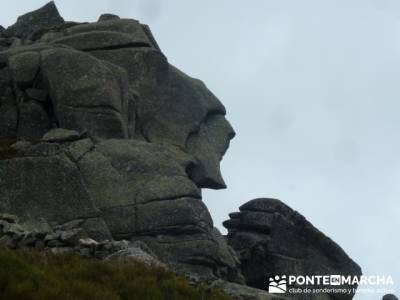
[[31, 275]]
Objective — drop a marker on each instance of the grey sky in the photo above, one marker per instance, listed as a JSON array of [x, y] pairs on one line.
[[312, 89]]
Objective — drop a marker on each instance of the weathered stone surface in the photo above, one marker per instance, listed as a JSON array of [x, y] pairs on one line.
[[43, 18], [172, 216], [150, 36], [271, 239], [80, 148], [8, 120], [5, 56], [118, 145], [21, 146], [108, 17], [128, 172], [61, 135], [209, 145], [145, 67], [86, 94], [4, 44], [33, 120], [97, 40], [70, 238], [9, 218], [201, 256], [16, 42], [88, 242], [125, 26], [151, 86], [43, 150], [36, 94], [390, 297], [24, 68], [64, 197], [143, 191], [14, 235], [196, 111], [137, 252]]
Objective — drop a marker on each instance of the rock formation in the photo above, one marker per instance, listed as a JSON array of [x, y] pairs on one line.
[[111, 137], [100, 134], [67, 239], [389, 297], [273, 239]]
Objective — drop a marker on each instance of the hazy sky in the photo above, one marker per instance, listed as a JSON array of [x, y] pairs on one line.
[[312, 89]]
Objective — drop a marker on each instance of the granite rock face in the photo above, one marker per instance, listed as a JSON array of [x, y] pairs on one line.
[[99, 133], [44, 18], [97, 127], [273, 239]]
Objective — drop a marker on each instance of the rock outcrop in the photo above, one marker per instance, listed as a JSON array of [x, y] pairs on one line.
[[97, 127], [44, 18], [273, 239], [389, 297], [100, 134]]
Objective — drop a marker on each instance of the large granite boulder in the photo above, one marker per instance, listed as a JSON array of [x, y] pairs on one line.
[[272, 239], [86, 93], [98, 129], [99, 133], [111, 79], [389, 297]]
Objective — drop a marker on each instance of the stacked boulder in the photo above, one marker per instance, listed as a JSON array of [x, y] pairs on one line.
[[97, 128], [390, 297], [272, 239], [100, 134]]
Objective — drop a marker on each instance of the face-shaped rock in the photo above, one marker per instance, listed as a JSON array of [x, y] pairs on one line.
[[145, 137], [110, 79]]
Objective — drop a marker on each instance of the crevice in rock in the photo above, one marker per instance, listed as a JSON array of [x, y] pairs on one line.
[[129, 45], [85, 218], [184, 196], [97, 109], [176, 230], [180, 197]]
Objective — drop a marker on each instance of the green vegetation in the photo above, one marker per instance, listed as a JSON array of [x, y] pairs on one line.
[[28, 274]]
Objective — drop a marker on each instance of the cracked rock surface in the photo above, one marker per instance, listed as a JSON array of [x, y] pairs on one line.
[[273, 239], [97, 127], [100, 134]]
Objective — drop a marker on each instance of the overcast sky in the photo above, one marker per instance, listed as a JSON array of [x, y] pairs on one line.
[[312, 89]]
